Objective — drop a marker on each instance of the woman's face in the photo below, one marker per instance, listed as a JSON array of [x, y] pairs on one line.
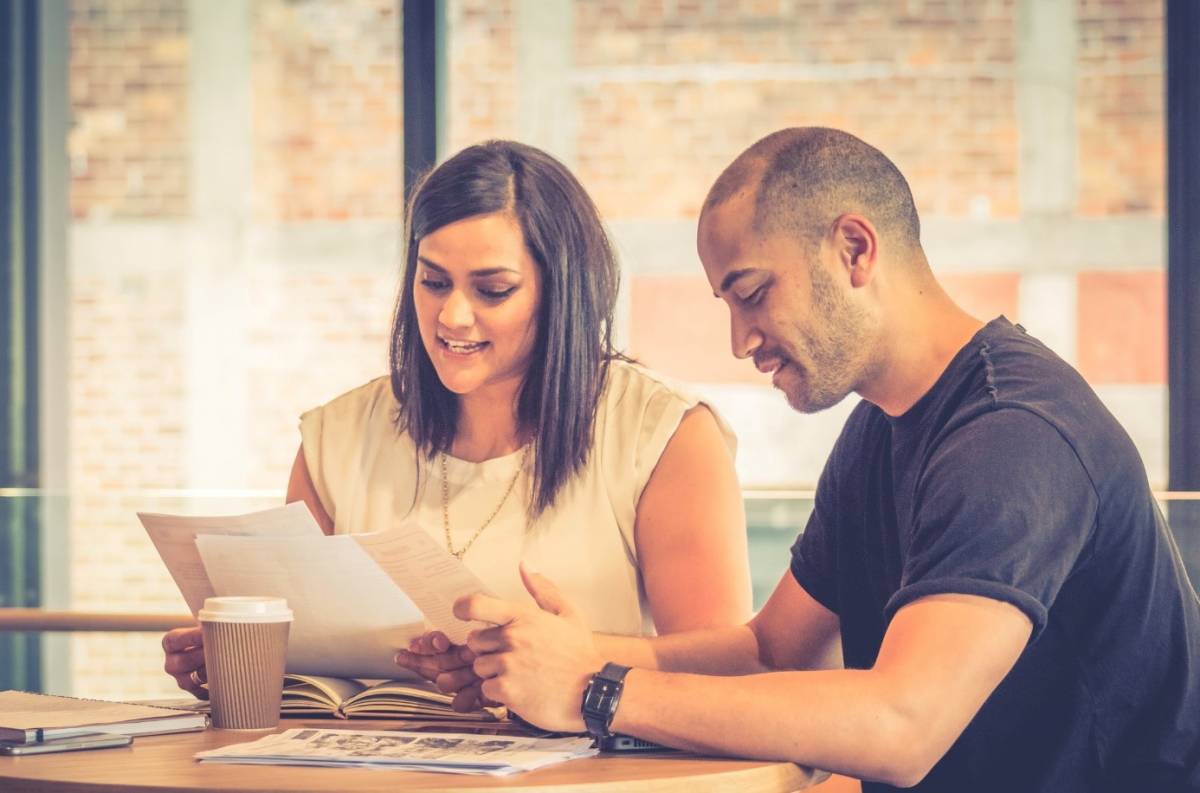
[[476, 293]]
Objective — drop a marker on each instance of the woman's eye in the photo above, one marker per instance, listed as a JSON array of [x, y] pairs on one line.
[[434, 285], [497, 294]]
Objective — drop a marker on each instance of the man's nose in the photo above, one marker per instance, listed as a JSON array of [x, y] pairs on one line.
[[744, 338]]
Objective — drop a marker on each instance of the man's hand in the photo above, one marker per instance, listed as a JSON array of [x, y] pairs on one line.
[[536, 661], [434, 657]]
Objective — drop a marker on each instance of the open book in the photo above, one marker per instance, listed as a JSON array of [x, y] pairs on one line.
[[387, 699]]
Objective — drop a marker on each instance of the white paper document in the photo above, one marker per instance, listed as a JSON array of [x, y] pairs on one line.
[[357, 599], [432, 576], [454, 753], [175, 538], [350, 617]]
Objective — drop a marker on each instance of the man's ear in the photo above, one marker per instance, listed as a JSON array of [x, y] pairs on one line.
[[856, 244]]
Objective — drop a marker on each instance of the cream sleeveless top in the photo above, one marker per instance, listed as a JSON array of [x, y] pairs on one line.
[[368, 477]]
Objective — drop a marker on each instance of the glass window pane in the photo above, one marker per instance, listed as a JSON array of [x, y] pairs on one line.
[[236, 201]]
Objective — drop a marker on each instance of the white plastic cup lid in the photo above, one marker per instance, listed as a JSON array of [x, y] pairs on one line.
[[240, 608]]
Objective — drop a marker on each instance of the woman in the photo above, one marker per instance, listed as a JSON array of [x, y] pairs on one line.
[[513, 431]]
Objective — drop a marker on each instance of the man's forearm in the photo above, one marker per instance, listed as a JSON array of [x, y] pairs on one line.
[[838, 720], [714, 651], [941, 659]]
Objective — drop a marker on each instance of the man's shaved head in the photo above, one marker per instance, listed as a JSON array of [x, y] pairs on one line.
[[803, 178]]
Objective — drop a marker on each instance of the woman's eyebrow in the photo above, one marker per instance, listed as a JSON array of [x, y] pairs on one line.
[[481, 273]]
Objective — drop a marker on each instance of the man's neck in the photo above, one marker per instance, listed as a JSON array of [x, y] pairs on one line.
[[925, 338]]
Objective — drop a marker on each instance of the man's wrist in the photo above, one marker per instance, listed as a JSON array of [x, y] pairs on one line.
[[624, 719]]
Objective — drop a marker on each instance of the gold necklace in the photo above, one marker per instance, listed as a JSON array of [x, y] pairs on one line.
[[446, 506]]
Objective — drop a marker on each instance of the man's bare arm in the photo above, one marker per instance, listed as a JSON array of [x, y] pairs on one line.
[[940, 660], [793, 631]]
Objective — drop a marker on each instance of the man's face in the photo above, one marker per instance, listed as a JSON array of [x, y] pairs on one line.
[[790, 307]]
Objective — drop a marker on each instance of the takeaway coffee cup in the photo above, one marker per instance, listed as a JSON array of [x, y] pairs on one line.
[[245, 647]]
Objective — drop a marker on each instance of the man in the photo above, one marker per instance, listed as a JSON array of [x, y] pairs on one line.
[[1012, 612]]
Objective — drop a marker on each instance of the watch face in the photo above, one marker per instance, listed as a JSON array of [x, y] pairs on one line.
[[600, 696], [600, 700]]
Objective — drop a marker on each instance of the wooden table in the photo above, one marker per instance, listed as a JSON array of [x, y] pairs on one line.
[[164, 763]]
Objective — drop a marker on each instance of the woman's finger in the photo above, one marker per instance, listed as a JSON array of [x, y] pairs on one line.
[[430, 643], [183, 663], [424, 665], [468, 699], [451, 682], [178, 639]]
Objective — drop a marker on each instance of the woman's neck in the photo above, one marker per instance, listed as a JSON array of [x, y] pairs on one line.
[[487, 424]]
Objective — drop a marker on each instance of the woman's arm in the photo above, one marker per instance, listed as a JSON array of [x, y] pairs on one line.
[[691, 532], [300, 488]]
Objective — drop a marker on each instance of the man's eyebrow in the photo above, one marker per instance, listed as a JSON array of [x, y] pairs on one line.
[[732, 278], [483, 273]]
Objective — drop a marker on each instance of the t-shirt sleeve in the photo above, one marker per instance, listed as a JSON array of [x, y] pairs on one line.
[[814, 554], [1004, 509]]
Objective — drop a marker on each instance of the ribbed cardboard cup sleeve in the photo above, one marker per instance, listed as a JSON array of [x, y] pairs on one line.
[[245, 662]]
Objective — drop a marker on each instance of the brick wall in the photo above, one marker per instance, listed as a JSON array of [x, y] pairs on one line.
[[1120, 107], [660, 95], [128, 80], [481, 62], [933, 80], [326, 109]]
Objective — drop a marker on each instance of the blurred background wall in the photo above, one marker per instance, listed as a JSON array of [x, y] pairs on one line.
[[235, 201]]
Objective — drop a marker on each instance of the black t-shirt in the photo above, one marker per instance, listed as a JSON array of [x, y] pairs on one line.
[[1009, 479]]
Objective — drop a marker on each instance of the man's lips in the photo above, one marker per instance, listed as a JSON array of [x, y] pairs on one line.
[[769, 365]]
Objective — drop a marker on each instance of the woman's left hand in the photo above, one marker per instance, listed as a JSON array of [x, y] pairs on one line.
[[434, 657]]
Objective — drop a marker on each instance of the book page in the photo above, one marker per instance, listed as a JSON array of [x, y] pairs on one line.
[[175, 538], [350, 618], [430, 575], [411, 698], [329, 692]]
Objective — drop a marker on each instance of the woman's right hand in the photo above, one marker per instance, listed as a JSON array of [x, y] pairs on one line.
[[184, 648]]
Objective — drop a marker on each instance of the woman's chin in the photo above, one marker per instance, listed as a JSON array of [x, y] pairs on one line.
[[457, 383]]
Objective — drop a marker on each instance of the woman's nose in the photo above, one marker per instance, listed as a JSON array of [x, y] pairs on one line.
[[456, 311]]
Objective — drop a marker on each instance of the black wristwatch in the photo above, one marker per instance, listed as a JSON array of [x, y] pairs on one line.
[[601, 697]]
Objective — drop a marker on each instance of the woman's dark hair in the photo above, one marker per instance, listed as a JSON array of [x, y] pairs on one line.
[[569, 364]]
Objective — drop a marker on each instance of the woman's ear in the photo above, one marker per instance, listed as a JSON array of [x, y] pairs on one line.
[[856, 244]]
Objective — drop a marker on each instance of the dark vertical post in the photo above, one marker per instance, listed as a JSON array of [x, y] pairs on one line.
[[420, 42], [1183, 260], [19, 333]]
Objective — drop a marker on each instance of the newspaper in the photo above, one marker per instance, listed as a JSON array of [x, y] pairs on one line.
[[444, 752]]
